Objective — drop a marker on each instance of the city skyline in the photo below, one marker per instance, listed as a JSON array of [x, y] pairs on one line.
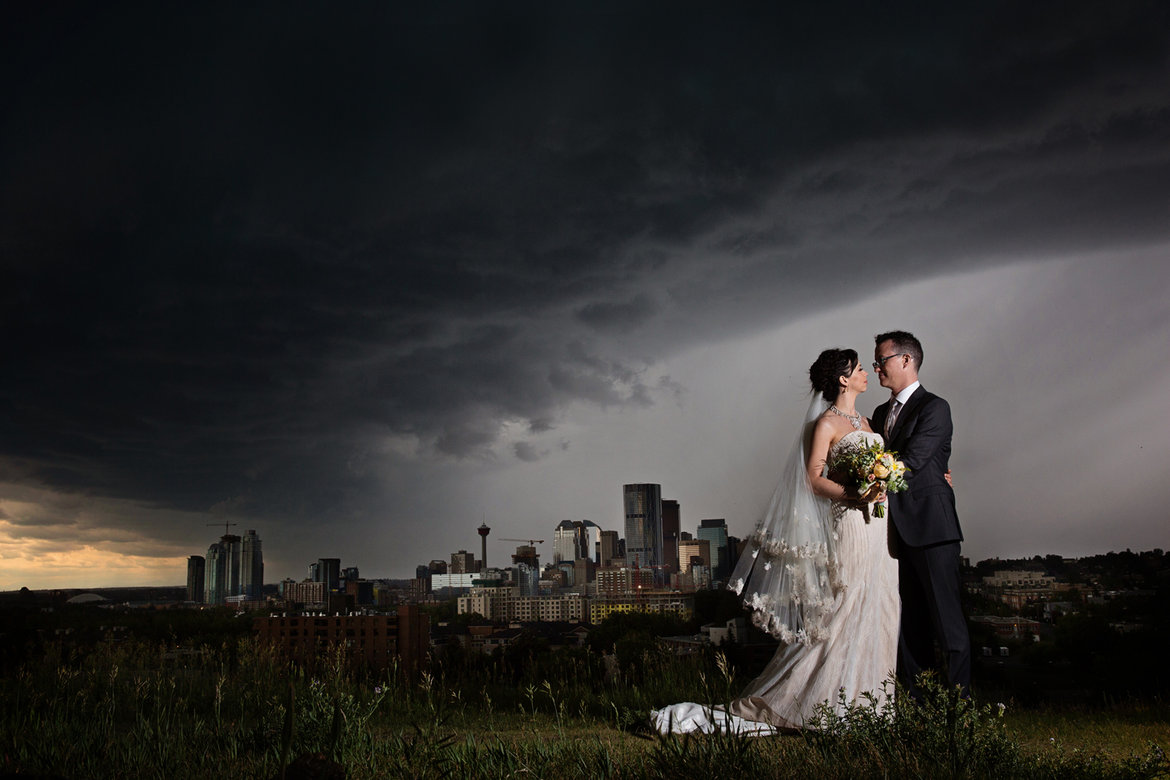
[[276, 581], [366, 279], [571, 540]]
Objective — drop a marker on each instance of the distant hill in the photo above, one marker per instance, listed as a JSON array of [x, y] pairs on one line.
[[157, 594]]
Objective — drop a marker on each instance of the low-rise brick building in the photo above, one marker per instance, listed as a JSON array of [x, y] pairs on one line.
[[378, 641]]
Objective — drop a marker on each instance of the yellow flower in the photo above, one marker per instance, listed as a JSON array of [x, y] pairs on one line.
[[881, 470]]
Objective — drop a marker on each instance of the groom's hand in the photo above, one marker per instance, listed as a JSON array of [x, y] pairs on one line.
[[947, 477]]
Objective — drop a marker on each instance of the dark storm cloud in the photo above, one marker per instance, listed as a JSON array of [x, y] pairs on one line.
[[241, 243], [41, 521], [526, 452], [618, 316]]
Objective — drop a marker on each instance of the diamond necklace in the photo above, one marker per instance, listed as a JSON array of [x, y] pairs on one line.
[[854, 419]]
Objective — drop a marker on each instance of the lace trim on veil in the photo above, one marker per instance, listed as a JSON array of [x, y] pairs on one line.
[[790, 579]]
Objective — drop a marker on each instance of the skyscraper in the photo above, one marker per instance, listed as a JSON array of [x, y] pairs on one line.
[[590, 539], [734, 550], [233, 567], [195, 578], [693, 551], [462, 562], [528, 579], [575, 540], [643, 505], [715, 531], [329, 572], [233, 554], [565, 542], [608, 548], [670, 528], [215, 574], [251, 567]]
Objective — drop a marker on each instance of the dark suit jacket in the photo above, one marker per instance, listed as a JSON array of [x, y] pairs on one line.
[[924, 514]]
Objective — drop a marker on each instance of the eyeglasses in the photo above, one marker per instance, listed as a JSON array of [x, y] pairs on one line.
[[881, 362]]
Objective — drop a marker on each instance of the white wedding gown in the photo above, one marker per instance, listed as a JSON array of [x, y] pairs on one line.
[[857, 655]]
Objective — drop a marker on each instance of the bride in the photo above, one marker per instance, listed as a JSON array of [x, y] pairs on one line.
[[817, 575]]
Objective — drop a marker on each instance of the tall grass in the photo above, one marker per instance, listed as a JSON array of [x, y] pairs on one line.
[[241, 710]]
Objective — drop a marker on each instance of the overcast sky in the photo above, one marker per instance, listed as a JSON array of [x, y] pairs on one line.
[[363, 278]]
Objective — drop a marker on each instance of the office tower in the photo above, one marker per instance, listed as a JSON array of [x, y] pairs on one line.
[[350, 573], [215, 574], [438, 567], [195, 578], [574, 540], [589, 534], [584, 571], [670, 529], [462, 562], [643, 505], [565, 542], [314, 573], [734, 550], [528, 578], [693, 552], [715, 531], [329, 572], [422, 571], [233, 551], [607, 548], [483, 535], [251, 567], [360, 591]]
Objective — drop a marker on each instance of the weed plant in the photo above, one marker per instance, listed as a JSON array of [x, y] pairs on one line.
[[240, 709]]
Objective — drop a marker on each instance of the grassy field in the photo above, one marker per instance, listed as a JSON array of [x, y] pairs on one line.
[[131, 710], [1118, 731], [1113, 736]]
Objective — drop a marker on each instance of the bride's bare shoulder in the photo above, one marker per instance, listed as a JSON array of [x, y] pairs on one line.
[[826, 422], [828, 429]]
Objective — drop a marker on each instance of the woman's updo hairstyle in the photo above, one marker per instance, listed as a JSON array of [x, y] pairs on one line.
[[831, 366]]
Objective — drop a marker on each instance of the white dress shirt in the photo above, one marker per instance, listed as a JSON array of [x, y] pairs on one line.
[[896, 404], [907, 391]]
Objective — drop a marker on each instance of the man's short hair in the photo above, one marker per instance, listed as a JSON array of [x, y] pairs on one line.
[[905, 343]]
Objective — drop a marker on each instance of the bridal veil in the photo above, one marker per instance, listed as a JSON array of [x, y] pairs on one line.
[[788, 575]]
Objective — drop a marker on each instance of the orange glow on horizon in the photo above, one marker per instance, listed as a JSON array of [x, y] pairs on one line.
[[85, 567]]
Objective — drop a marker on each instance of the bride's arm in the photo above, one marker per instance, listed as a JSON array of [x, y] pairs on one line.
[[818, 455]]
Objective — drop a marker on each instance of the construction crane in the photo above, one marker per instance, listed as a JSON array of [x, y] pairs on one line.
[[225, 525], [531, 542]]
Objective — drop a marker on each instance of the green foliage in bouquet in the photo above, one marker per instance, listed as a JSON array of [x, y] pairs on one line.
[[859, 468]]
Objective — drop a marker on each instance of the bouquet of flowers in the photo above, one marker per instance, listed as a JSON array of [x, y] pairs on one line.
[[860, 468]]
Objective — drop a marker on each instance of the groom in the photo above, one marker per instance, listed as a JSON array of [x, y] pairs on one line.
[[924, 528]]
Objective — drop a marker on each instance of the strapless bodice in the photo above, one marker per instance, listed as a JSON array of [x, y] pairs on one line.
[[855, 439]]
